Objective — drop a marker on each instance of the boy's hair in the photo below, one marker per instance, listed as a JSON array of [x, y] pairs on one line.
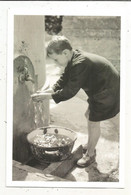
[[57, 45]]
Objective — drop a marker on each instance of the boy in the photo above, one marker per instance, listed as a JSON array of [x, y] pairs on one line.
[[96, 76]]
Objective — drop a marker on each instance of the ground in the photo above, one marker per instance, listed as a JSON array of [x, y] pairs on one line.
[[71, 114]]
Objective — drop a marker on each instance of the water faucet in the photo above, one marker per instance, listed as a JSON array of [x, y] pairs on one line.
[[24, 76]]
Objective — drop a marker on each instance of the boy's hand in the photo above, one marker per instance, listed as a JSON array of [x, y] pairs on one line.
[[50, 90], [37, 97]]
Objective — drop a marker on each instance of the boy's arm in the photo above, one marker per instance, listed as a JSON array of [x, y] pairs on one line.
[[46, 93], [78, 77], [61, 82], [57, 86], [41, 96]]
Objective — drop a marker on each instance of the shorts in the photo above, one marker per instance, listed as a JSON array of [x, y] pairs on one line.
[[104, 105]]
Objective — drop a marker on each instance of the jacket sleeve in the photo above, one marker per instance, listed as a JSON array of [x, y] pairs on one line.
[[78, 76], [61, 82]]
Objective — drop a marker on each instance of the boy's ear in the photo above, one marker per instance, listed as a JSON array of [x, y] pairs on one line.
[[66, 52]]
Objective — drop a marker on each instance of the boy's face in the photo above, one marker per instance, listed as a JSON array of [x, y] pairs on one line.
[[60, 59]]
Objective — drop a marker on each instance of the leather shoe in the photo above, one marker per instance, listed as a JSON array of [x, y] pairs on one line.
[[86, 160]]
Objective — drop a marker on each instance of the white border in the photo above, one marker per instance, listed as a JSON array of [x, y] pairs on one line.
[[81, 9]]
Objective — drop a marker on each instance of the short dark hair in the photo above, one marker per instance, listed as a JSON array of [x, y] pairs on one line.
[[57, 45]]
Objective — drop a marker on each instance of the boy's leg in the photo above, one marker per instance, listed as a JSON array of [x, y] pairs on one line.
[[93, 134], [93, 137]]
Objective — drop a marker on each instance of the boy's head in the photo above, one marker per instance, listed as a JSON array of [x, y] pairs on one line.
[[60, 50]]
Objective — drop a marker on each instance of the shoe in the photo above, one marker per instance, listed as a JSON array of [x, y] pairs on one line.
[[86, 160]]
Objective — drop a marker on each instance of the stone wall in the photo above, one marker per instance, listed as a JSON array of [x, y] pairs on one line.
[[100, 35], [29, 54], [29, 37]]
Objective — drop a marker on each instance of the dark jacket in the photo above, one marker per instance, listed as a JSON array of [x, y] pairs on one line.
[[97, 77]]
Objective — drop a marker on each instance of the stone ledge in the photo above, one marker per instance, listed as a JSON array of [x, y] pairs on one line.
[[27, 173]]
